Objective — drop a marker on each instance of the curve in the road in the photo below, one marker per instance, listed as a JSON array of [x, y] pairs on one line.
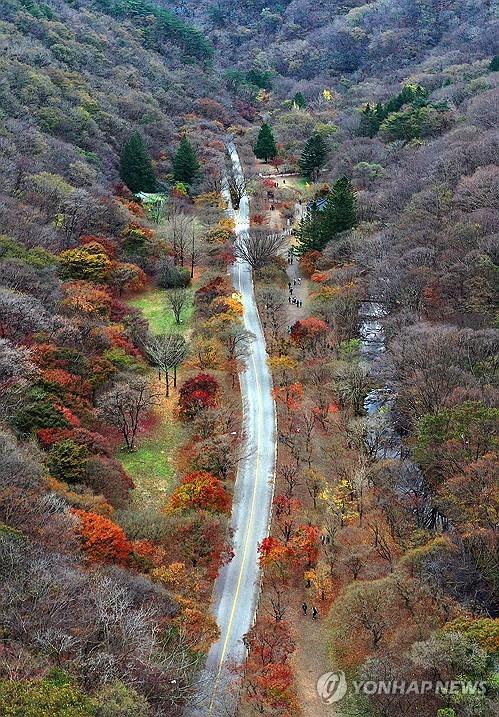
[[238, 585]]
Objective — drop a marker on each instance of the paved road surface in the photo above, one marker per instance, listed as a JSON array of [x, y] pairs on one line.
[[237, 588]]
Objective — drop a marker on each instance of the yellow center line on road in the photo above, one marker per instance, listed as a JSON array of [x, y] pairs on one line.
[[248, 529]]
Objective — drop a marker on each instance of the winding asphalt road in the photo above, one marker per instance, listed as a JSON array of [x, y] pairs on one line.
[[238, 585]]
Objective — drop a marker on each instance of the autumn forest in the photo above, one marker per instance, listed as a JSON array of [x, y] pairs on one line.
[[218, 217]]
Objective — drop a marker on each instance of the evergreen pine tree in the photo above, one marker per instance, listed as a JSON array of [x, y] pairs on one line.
[[309, 232], [265, 147], [381, 113], [299, 100], [135, 165], [370, 120], [185, 163], [314, 156], [342, 207], [322, 223]]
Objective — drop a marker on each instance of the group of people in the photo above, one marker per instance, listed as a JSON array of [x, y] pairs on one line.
[[315, 612], [293, 299]]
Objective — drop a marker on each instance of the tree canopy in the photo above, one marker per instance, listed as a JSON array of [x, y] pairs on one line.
[[185, 163], [135, 165], [314, 156], [265, 147], [328, 217]]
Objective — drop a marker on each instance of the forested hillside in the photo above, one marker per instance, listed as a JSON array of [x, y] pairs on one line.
[[93, 94], [121, 340]]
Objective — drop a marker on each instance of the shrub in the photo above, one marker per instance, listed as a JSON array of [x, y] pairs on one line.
[[106, 477], [43, 698], [89, 262], [198, 393], [39, 412], [118, 700], [68, 461], [200, 491], [102, 540], [173, 277]]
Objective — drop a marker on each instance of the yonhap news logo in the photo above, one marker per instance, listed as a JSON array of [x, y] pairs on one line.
[[332, 687]]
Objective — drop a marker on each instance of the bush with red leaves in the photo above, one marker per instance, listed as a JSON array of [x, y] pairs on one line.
[[197, 394]]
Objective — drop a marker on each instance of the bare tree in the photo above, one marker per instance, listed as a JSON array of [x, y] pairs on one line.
[[289, 474], [167, 351], [258, 248], [177, 299], [196, 246], [178, 356], [124, 405], [236, 341], [272, 305], [21, 314], [179, 229], [238, 186]]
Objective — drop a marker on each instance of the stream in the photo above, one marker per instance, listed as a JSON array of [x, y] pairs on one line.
[[382, 438]]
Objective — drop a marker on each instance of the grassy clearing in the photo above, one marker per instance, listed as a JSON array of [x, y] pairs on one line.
[[295, 182], [151, 466], [155, 308]]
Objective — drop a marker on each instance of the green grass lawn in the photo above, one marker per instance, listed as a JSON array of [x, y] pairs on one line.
[[295, 182], [151, 466], [155, 308]]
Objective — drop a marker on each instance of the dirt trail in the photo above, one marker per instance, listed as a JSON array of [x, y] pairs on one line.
[[311, 658]]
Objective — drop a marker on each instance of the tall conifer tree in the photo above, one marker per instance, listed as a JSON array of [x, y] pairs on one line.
[[135, 165], [185, 163], [265, 147], [314, 156], [324, 221]]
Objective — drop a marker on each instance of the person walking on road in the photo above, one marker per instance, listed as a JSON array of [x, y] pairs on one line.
[[315, 613], [304, 608]]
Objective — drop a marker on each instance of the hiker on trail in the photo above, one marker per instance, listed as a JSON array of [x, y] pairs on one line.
[[291, 291], [289, 299], [304, 608], [289, 285], [299, 280], [294, 282], [315, 613]]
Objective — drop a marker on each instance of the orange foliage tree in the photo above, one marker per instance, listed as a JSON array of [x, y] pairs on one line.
[[267, 679], [199, 628], [309, 333], [102, 540], [200, 491]]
